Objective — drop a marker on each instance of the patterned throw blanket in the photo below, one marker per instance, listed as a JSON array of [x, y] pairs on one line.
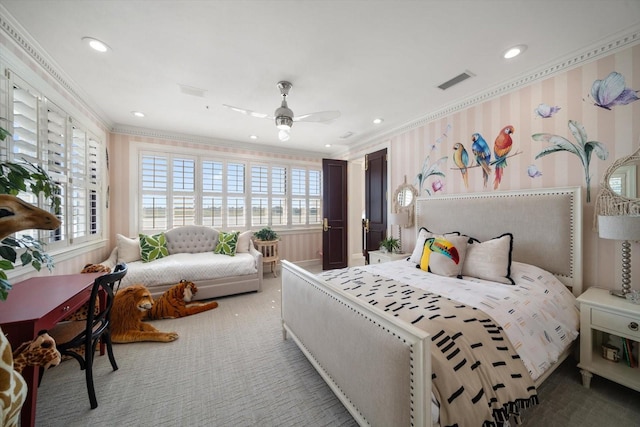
[[477, 376]]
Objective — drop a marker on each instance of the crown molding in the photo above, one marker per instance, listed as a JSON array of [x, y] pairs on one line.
[[32, 49], [618, 42], [207, 141], [18, 35]]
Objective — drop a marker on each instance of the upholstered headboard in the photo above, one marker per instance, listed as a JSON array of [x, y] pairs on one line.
[[546, 225]]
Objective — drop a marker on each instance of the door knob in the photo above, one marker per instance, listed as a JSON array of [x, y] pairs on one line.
[[325, 224]]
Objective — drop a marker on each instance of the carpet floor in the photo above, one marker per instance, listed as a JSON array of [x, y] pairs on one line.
[[231, 367]]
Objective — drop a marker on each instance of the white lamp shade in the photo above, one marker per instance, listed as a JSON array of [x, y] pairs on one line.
[[620, 227], [400, 218]]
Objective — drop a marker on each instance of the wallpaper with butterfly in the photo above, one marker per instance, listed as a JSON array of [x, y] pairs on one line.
[[612, 91]]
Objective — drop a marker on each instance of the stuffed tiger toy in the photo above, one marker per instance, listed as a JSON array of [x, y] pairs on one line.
[[174, 303]]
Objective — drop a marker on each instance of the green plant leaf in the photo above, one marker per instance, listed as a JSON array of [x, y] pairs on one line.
[[8, 253], [6, 265], [5, 287], [26, 258]]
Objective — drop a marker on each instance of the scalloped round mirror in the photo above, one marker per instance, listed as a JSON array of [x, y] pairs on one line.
[[623, 181], [404, 199], [619, 188]]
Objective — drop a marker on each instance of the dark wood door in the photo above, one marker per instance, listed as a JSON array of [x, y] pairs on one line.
[[334, 207], [375, 222]]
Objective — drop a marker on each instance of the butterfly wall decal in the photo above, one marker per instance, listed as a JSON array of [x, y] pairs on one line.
[[611, 91]]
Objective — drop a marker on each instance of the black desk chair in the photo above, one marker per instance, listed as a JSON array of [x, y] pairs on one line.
[[79, 339]]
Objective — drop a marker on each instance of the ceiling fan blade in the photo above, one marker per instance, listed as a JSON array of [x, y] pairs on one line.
[[320, 116], [248, 112]]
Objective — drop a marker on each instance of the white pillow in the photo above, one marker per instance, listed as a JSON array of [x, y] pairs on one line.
[[423, 235], [444, 256], [128, 249], [490, 260], [244, 241]]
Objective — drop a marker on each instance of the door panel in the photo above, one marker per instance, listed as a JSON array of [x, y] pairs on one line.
[[334, 207], [375, 201]]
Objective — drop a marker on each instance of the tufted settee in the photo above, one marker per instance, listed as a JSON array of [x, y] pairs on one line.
[[191, 257]]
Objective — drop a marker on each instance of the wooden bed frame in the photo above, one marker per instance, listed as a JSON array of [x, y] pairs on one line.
[[379, 367]]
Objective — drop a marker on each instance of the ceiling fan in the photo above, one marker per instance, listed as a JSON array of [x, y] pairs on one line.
[[283, 115]]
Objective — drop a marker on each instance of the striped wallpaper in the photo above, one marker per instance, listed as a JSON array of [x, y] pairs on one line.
[[618, 129]]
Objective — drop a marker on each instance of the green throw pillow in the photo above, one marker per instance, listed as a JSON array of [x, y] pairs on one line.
[[153, 247], [227, 243]]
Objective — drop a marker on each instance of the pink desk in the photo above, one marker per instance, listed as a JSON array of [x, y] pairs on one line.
[[38, 304]]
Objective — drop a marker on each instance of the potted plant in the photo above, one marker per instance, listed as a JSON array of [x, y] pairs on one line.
[[266, 234], [26, 177], [390, 244]]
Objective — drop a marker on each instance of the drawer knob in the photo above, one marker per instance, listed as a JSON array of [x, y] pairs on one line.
[[633, 326]]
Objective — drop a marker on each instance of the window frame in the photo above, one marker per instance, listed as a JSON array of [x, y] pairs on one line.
[[52, 150], [140, 149]]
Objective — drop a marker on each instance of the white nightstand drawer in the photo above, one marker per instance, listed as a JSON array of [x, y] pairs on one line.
[[616, 322]]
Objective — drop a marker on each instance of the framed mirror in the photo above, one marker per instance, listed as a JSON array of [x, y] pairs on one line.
[[404, 199], [619, 188]]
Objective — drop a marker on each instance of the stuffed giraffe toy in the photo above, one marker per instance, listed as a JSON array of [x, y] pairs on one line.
[[41, 351], [13, 388], [16, 215]]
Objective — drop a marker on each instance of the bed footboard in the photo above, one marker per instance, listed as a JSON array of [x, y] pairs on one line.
[[378, 367]]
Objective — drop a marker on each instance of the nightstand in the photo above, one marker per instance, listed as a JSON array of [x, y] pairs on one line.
[[602, 314], [378, 257]]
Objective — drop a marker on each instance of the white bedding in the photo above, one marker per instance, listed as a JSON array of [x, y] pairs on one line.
[[539, 314], [193, 267]]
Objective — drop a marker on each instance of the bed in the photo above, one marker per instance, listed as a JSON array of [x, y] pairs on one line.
[[379, 365]]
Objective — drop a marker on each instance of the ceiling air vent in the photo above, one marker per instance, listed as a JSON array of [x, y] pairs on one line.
[[457, 79], [193, 91], [346, 135]]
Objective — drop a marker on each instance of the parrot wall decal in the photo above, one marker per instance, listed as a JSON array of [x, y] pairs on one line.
[[461, 160], [440, 246], [501, 149], [481, 150]]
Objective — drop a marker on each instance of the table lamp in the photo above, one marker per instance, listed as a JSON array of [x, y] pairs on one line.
[[401, 219], [625, 228]]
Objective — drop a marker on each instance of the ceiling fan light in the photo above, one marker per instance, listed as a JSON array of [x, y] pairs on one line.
[[284, 122], [284, 135]]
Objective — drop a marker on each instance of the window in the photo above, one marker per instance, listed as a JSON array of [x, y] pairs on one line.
[[268, 191], [45, 135], [306, 188], [175, 190]]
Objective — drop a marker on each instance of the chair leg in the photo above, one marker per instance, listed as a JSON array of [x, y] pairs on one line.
[[107, 340], [89, 349]]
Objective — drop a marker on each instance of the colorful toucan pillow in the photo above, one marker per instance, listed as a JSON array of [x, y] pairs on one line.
[[490, 260], [444, 255], [423, 235], [153, 247], [227, 243]]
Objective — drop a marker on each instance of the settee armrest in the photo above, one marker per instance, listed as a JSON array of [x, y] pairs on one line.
[[258, 257], [112, 260]]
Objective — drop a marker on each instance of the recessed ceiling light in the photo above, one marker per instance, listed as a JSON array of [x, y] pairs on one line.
[[378, 121], [253, 136], [327, 145], [96, 44], [514, 51], [137, 113]]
